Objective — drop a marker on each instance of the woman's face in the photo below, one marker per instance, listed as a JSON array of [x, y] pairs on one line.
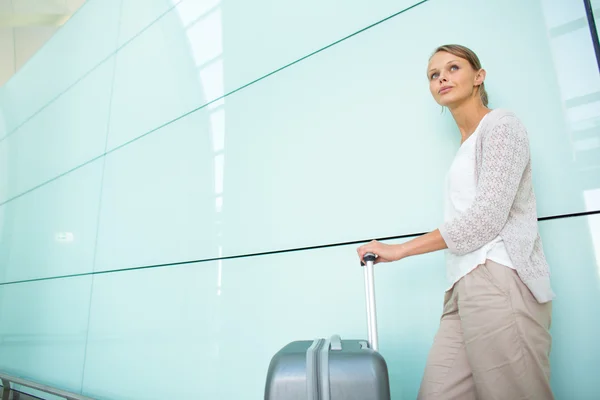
[[452, 80]]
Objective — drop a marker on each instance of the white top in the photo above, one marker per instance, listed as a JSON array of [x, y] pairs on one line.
[[505, 203], [460, 193]]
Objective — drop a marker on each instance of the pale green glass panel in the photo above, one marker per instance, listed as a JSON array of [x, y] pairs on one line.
[[570, 46], [160, 200], [293, 154], [80, 45], [573, 249], [282, 32], [563, 14], [68, 133], [188, 330], [577, 76], [157, 334], [226, 319], [203, 49], [51, 231], [156, 81], [43, 327], [303, 146], [137, 15]]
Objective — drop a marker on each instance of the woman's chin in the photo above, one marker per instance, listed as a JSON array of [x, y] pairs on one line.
[[449, 102]]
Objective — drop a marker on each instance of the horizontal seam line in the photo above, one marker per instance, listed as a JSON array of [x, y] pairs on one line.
[[179, 263], [266, 253], [570, 215]]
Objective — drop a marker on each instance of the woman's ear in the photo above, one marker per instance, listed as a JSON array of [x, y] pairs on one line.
[[480, 77]]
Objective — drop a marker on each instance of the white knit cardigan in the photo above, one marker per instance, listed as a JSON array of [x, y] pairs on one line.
[[504, 203]]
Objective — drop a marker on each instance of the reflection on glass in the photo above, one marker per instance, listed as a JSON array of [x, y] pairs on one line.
[[592, 199], [219, 161], [203, 24], [205, 35], [217, 125], [190, 11], [579, 83], [218, 208], [64, 237], [212, 78]]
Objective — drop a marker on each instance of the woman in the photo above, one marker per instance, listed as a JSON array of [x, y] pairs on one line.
[[493, 340]]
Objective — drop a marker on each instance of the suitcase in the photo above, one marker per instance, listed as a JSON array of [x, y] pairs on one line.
[[332, 368]]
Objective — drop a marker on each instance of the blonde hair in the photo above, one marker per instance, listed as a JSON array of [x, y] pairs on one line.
[[471, 57]]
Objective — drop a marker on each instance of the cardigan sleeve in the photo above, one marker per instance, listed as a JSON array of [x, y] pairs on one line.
[[504, 157]]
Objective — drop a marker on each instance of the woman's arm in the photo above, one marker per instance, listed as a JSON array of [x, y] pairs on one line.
[[504, 157], [432, 241], [505, 154]]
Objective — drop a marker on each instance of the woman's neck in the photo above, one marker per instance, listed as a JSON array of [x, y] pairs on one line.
[[468, 116]]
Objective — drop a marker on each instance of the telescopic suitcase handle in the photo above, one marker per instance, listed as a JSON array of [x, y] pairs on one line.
[[369, 259]]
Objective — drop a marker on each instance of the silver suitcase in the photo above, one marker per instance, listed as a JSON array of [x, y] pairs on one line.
[[332, 369]]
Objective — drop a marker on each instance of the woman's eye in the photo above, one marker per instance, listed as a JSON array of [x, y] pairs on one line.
[[434, 75], [454, 68]]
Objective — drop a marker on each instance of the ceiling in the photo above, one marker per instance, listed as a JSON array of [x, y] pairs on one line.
[[26, 13]]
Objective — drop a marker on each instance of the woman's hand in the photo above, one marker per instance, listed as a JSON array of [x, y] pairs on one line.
[[384, 252]]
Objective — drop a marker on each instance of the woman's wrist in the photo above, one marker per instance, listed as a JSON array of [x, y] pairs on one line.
[[401, 251]]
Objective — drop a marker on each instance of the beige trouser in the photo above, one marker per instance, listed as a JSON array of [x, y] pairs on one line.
[[493, 341]]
